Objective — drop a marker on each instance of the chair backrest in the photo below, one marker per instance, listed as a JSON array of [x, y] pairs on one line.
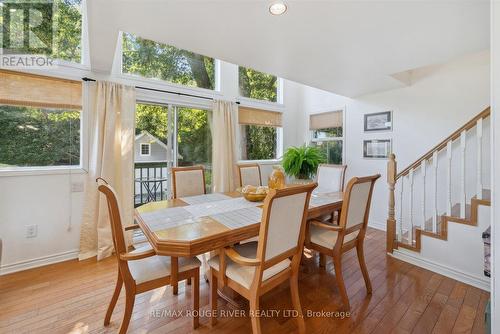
[[282, 230], [356, 203], [331, 178], [249, 175], [114, 218], [188, 181]]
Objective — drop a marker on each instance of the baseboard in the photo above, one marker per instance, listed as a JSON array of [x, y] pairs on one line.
[[38, 262], [482, 283], [377, 225]]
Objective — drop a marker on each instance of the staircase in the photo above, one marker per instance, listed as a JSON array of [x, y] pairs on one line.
[[441, 202]]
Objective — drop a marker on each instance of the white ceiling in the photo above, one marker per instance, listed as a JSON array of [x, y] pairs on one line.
[[346, 47]]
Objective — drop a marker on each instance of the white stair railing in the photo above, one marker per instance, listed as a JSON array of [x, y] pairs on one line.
[[416, 172]]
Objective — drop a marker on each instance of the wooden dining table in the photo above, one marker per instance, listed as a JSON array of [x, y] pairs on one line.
[[191, 226]]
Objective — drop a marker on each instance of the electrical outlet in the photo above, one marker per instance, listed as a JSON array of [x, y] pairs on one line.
[[77, 187], [31, 231]]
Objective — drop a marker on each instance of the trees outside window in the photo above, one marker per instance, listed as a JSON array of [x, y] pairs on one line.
[[258, 142], [151, 59], [258, 85], [38, 137]]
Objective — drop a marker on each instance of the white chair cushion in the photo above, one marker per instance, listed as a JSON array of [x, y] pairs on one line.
[[327, 238], [244, 275], [157, 266]]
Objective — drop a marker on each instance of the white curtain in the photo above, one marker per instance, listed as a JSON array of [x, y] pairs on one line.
[[111, 111], [224, 121]]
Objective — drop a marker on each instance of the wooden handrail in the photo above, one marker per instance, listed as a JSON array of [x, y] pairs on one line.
[[467, 126]]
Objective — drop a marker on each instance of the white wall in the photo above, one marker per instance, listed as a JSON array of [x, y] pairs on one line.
[[440, 100], [47, 200]]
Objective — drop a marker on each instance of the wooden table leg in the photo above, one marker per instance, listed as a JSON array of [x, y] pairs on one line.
[[174, 271]]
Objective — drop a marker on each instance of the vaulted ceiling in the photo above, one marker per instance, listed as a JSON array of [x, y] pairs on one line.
[[346, 47]]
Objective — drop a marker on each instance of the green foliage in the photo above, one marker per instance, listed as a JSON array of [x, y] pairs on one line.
[[193, 137], [156, 60], [257, 85], [332, 150], [152, 118], [302, 162], [39, 137], [64, 31], [260, 142]]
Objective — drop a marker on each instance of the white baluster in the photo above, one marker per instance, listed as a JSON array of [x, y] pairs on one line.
[[400, 220], [463, 137], [448, 179], [410, 208], [479, 169], [423, 165], [435, 208]]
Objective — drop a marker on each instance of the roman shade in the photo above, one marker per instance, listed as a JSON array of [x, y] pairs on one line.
[[23, 89], [326, 120], [253, 116]]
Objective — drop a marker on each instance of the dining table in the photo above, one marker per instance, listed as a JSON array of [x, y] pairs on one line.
[[195, 225]]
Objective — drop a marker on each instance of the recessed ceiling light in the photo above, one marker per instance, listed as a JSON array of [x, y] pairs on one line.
[[277, 8]]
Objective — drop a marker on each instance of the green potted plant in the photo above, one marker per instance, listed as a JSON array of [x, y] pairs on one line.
[[302, 162]]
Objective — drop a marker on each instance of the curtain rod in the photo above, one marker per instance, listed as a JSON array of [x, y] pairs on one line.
[[165, 91]]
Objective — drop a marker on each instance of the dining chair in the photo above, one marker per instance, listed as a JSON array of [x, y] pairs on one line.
[[249, 175], [330, 179], [252, 269], [188, 181], [142, 270], [334, 240]]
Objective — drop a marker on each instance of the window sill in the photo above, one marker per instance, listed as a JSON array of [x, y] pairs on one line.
[[36, 171], [264, 162]]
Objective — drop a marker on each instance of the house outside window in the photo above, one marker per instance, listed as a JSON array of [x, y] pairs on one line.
[[327, 133]]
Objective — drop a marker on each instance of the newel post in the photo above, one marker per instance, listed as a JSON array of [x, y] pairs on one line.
[[391, 219]]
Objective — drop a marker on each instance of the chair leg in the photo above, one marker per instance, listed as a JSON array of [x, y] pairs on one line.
[[294, 289], [112, 303], [254, 312], [129, 307], [196, 298], [213, 297], [337, 260], [364, 269], [322, 260]]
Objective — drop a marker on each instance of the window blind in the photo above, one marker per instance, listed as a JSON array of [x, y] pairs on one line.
[[23, 89], [332, 119], [253, 116]]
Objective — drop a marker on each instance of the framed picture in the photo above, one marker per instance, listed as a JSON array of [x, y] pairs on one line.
[[377, 148], [381, 121]]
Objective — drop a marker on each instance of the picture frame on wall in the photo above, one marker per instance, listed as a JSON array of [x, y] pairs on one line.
[[380, 121], [377, 148]]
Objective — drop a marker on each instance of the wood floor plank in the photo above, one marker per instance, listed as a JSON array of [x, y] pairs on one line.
[[72, 297]]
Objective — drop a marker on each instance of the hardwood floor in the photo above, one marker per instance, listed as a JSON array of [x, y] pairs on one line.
[[71, 297]]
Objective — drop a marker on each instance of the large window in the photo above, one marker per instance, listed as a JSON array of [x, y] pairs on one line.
[[257, 85], [62, 36], [327, 134], [39, 121], [173, 135], [259, 132], [150, 59]]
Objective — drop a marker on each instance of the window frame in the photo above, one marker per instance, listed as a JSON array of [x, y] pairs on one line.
[[148, 145], [263, 103], [117, 70], [330, 139]]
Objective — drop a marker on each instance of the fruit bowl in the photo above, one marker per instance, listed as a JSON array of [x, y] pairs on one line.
[[254, 194], [253, 197]]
